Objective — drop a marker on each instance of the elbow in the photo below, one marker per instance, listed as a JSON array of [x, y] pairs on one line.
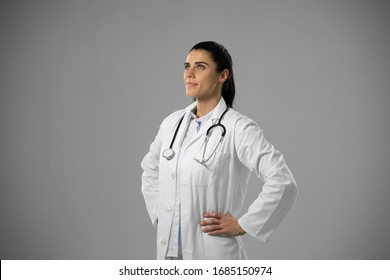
[[292, 189]]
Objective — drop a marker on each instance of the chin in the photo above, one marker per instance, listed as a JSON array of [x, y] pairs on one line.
[[189, 94]]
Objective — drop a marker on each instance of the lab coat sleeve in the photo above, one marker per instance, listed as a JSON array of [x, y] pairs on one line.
[[150, 177], [279, 189]]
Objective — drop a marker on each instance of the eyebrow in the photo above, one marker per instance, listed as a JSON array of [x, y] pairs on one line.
[[197, 62]]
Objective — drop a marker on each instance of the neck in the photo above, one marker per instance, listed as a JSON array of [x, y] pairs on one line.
[[203, 107]]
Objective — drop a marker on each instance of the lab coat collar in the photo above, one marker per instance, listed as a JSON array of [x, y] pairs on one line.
[[217, 111]]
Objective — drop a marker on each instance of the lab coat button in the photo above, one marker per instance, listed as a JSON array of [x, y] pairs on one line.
[[173, 176], [169, 209], [164, 242]]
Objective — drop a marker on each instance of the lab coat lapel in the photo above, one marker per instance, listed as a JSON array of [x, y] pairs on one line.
[[183, 130]]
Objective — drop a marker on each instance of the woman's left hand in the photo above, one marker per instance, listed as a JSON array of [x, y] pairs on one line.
[[218, 224]]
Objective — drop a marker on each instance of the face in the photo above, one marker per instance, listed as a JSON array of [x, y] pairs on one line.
[[201, 77]]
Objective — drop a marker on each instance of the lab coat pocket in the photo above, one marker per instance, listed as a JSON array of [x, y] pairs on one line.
[[221, 247], [214, 173]]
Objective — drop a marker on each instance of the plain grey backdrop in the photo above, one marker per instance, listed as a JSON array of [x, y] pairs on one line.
[[85, 84]]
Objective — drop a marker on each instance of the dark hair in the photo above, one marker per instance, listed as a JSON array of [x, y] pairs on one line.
[[224, 61]]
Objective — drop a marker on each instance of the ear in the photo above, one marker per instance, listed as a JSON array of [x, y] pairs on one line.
[[224, 76]]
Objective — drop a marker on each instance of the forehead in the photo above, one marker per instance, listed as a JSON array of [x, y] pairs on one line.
[[199, 56]]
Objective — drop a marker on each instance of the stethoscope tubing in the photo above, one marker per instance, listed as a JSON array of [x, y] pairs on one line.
[[177, 129], [169, 153]]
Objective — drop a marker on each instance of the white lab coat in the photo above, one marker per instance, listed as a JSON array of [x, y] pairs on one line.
[[220, 185]]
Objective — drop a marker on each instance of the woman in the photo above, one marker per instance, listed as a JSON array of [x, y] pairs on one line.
[[195, 177]]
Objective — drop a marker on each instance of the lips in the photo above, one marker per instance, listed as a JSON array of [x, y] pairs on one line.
[[191, 84]]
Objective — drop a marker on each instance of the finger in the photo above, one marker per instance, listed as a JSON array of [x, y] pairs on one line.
[[213, 215], [217, 233], [211, 228], [210, 222]]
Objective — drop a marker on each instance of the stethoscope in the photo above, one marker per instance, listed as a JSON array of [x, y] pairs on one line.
[[169, 153]]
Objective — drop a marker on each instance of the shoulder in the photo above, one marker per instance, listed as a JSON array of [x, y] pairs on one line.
[[239, 121], [247, 134], [173, 117]]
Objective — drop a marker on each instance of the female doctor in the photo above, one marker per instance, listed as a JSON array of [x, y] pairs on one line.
[[196, 172]]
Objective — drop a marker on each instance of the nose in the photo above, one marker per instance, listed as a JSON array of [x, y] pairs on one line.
[[189, 72]]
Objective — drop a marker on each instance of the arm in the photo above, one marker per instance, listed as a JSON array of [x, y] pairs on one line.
[[279, 190], [278, 194], [150, 177]]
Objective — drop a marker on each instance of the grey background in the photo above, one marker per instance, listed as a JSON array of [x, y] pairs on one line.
[[85, 84]]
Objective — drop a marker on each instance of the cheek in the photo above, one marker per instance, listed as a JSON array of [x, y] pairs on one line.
[[211, 83]]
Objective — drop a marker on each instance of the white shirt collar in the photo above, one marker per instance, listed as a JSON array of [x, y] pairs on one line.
[[215, 113]]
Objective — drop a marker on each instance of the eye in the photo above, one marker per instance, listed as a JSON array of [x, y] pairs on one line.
[[186, 67], [200, 67]]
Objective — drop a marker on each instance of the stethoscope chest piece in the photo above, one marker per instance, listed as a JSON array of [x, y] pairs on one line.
[[168, 153]]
